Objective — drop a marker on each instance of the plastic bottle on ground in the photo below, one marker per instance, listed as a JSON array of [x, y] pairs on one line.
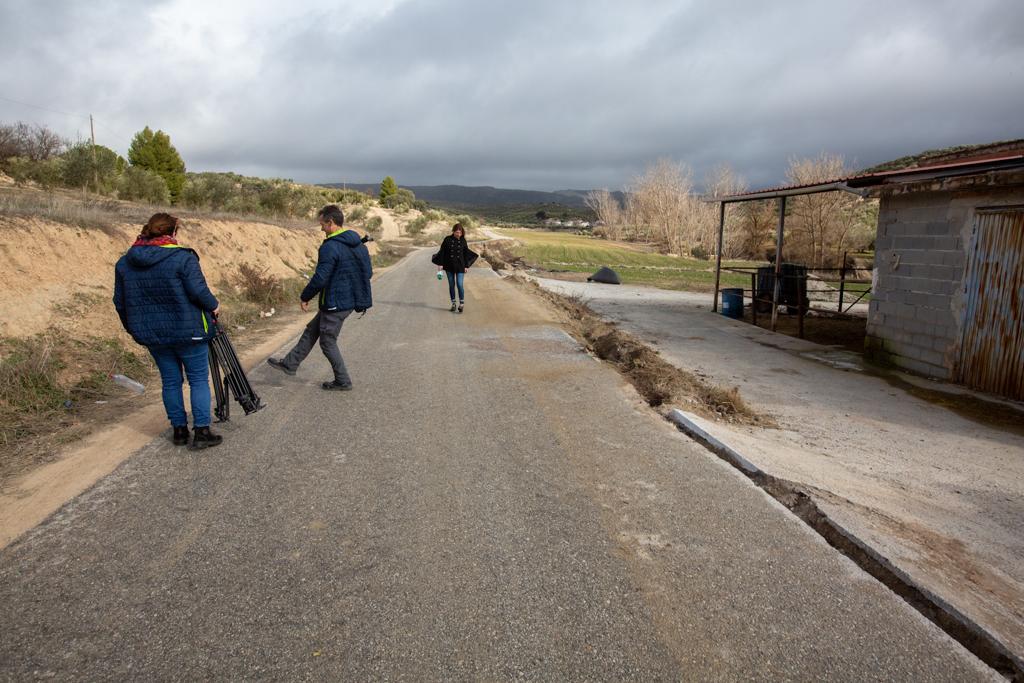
[[128, 383]]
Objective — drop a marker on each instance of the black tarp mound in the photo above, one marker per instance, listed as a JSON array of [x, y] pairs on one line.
[[606, 276]]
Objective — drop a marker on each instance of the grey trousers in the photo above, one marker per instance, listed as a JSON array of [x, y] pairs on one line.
[[325, 326]]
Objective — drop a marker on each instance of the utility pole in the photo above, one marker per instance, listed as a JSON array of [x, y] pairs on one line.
[[95, 170]]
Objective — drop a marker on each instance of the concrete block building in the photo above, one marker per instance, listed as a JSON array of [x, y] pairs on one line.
[[948, 286]]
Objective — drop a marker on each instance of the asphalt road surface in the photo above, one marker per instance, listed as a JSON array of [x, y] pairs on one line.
[[489, 503]]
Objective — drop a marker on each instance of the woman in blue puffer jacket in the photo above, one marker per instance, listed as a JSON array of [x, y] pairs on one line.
[[164, 303]]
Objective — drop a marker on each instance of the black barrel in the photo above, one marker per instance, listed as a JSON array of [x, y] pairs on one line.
[[794, 287]]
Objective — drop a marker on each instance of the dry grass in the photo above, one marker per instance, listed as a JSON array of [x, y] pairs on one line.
[[258, 285], [388, 254], [69, 207], [51, 385], [502, 255], [658, 381]]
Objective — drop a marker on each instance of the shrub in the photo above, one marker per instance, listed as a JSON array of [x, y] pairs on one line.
[[699, 252], [346, 196], [468, 222], [46, 174], [417, 225], [400, 201], [209, 190], [374, 226], [356, 214], [139, 184], [97, 168], [258, 285]]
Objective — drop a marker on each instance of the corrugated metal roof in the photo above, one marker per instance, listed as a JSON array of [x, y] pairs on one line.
[[851, 183]]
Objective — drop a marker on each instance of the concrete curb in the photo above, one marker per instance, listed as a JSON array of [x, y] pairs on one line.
[[689, 426], [958, 626]]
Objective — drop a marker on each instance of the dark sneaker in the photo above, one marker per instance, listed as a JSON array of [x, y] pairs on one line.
[[335, 386], [204, 438], [279, 364], [180, 437], [452, 309], [460, 307]]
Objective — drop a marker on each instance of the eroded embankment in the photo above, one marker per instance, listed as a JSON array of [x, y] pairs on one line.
[[61, 339]]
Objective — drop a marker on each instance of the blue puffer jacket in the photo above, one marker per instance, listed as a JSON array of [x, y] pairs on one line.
[[161, 295], [342, 277]]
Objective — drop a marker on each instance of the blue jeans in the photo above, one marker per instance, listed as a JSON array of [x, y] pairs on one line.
[[195, 358], [453, 280]]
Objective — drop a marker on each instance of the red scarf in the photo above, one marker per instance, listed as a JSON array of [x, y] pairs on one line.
[[161, 241]]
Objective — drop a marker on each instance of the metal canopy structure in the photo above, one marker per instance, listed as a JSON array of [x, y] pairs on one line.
[[862, 185]]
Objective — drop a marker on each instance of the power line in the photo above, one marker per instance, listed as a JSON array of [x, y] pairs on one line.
[[36, 106], [121, 137]]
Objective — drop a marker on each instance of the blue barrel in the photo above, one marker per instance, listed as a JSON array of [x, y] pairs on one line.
[[732, 302]]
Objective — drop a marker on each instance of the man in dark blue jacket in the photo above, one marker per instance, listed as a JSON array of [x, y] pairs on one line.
[[341, 284]]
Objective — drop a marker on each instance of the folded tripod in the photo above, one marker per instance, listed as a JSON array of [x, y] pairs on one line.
[[228, 375]]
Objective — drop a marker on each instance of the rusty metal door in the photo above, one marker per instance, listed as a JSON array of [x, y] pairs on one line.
[[992, 347]]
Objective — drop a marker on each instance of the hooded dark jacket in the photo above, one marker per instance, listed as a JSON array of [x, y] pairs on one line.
[[342, 276], [455, 254], [162, 297]]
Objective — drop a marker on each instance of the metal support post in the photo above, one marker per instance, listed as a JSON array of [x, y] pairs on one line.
[[778, 262], [718, 255]]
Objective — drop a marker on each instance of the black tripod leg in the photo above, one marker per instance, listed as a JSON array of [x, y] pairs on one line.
[[223, 409], [235, 375]]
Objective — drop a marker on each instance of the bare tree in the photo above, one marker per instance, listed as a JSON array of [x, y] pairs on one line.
[[722, 181], [33, 142], [608, 211], [822, 226], [659, 205], [754, 224]]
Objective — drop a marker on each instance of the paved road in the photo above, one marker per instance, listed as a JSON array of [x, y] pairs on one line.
[[878, 459], [490, 503]]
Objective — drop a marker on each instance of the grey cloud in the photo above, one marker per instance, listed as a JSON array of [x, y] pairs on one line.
[[533, 94]]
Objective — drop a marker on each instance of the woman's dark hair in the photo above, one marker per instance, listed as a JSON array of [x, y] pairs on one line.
[[160, 224], [458, 226], [332, 213]]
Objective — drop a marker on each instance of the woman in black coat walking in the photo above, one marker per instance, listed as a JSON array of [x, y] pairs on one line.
[[455, 258]]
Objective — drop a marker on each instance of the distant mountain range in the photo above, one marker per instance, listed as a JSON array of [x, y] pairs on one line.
[[462, 196]]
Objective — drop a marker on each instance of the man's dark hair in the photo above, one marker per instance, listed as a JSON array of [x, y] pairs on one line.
[[332, 213]]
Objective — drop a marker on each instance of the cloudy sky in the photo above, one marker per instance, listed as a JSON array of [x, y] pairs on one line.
[[537, 94]]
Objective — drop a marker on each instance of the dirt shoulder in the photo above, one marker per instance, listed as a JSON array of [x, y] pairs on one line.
[[28, 499]]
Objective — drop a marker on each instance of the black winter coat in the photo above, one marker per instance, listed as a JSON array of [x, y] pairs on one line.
[[455, 255]]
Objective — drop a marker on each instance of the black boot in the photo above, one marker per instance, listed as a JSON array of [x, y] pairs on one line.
[[204, 438], [452, 309], [460, 306], [180, 437]]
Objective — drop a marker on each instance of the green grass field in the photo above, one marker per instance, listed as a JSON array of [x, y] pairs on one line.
[[560, 251]]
